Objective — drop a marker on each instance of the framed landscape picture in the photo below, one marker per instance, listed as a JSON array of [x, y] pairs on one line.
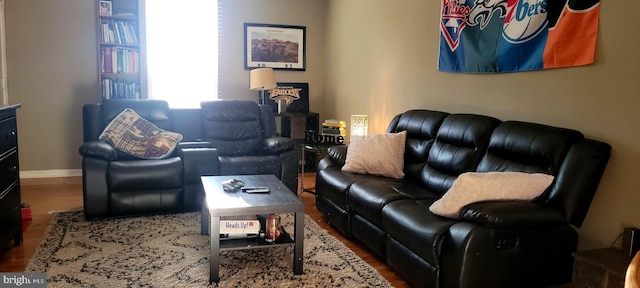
[[279, 47]]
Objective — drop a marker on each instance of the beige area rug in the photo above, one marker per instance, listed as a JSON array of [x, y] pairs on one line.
[[168, 251]]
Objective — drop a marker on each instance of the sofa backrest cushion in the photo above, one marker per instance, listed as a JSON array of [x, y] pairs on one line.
[[96, 116], [232, 126], [441, 146], [578, 179], [422, 128], [528, 147], [268, 120], [459, 145], [154, 111], [533, 148]]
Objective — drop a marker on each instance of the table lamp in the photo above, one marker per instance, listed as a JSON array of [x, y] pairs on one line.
[[359, 125], [262, 79]]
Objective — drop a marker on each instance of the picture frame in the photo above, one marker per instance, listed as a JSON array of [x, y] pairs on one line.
[[105, 8], [281, 47]]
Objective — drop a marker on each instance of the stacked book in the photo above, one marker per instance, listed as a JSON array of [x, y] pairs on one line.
[[334, 127]]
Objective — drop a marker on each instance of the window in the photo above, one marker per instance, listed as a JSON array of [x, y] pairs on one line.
[[182, 51]]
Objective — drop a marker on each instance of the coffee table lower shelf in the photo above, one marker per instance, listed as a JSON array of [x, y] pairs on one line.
[[256, 242]]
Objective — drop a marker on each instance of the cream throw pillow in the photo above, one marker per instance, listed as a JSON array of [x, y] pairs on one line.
[[474, 187], [379, 154]]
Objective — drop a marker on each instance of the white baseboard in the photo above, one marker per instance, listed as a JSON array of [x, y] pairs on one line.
[[50, 173]]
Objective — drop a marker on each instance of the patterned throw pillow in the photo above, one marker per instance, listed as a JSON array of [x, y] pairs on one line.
[[136, 136]]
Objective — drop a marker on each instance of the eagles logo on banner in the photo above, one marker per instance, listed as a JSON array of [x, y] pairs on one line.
[[491, 36]]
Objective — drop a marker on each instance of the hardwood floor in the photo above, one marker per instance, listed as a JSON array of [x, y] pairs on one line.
[[46, 195]]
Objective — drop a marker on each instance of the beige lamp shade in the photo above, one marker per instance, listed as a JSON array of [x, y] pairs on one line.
[[262, 79]]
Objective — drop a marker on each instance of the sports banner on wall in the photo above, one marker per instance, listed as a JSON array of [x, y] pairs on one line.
[[494, 36]]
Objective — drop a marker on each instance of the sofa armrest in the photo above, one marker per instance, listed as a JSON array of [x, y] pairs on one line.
[[199, 162], [99, 150], [512, 214], [338, 154], [95, 193], [278, 145]]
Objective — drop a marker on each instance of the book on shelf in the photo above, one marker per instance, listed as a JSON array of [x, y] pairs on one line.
[[120, 60], [334, 127], [334, 121], [107, 60], [334, 132], [124, 14], [119, 32], [120, 89]]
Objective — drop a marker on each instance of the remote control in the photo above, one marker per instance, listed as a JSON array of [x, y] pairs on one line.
[[256, 190]]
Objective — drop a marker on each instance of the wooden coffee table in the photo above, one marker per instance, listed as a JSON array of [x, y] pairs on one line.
[[219, 203]]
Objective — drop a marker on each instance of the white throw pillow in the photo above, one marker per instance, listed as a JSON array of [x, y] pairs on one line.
[[379, 154], [474, 187]]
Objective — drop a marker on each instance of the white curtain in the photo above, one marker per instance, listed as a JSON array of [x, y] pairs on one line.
[[182, 51]]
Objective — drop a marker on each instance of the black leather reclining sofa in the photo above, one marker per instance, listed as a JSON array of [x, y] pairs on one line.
[[116, 184], [494, 243]]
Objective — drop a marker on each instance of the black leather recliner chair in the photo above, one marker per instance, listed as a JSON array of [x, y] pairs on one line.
[[245, 136], [117, 184]]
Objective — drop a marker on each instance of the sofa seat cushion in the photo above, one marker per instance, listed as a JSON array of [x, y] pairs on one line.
[[250, 165], [410, 223], [335, 184], [137, 202], [140, 175], [368, 197]]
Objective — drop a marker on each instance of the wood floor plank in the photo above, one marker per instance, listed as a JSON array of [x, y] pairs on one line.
[[46, 195]]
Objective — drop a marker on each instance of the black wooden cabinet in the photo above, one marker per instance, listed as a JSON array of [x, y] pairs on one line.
[[599, 268], [293, 125], [10, 212]]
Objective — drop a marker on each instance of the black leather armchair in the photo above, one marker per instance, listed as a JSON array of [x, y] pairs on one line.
[[245, 136], [117, 184]]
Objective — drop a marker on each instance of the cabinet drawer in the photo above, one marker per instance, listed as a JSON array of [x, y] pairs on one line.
[[8, 134], [8, 170], [10, 214]]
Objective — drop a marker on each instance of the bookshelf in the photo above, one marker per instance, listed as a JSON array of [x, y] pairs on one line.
[[121, 49]]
